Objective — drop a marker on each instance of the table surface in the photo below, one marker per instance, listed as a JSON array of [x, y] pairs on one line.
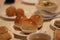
[[30, 9]]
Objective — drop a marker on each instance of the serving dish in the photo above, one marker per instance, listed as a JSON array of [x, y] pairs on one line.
[[46, 6], [52, 23], [30, 1], [3, 15]]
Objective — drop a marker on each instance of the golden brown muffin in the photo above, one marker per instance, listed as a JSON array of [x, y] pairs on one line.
[[37, 19], [10, 11], [19, 19], [19, 12], [3, 29], [29, 25], [57, 35]]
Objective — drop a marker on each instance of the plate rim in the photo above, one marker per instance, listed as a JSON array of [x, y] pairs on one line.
[[3, 15], [52, 23], [28, 2], [36, 31], [15, 32]]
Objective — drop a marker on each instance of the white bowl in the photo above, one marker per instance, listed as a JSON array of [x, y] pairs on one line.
[[52, 24], [34, 35], [46, 8]]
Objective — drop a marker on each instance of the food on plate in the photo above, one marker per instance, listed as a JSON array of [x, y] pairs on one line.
[[57, 23], [45, 3], [19, 12], [57, 35], [37, 18], [19, 20], [29, 26], [4, 34], [10, 11]]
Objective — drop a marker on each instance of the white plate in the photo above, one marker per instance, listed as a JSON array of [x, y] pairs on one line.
[[3, 15], [52, 23], [30, 1], [19, 33]]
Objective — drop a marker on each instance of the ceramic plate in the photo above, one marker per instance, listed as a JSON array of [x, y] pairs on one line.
[[11, 35], [52, 23], [3, 15], [19, 32], [30, 1]]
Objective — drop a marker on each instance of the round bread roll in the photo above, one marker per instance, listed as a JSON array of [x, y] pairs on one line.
[[19, 12], [10, 11], [28, 26], [38, 19], [19, 19]]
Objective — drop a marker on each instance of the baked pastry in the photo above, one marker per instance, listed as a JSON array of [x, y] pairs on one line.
[[29, 26], [10, 11], [36, 18], [57, 35], [3, 29], [4, 34], [19, 12], [19, 19]]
